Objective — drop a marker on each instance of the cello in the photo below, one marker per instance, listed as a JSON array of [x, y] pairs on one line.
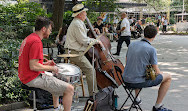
[[108, 69]]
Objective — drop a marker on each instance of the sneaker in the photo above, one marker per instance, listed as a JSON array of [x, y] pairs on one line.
[[160, 109], [59, 108], [116, 54], [138, 102]]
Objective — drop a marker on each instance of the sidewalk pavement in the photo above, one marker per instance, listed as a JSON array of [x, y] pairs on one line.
[[172, 58]]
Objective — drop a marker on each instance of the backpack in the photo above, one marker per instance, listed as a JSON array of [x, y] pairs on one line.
[[105, 99], [43, 99]]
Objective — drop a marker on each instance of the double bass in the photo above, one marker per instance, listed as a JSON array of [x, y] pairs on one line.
[[108, 69]]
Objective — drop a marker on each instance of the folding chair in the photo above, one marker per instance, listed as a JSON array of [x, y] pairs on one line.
[[129, 91], [34, 95]]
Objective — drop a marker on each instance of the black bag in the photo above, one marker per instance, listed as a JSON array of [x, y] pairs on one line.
[[105, 99], [43, 99]]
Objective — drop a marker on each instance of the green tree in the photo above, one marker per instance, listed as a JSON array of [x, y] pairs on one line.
[[178, 4], [157, 5], [22, 1], [101, 5]]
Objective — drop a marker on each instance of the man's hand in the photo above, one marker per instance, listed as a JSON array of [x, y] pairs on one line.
[[101, 44], [55, 70], [97, 31], [50, 62]]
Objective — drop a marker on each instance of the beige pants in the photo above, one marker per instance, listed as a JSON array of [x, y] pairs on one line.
[[110, 35], [86, 68], [49, 83]]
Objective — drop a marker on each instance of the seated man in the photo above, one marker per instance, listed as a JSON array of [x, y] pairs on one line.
[[139, 55], [31, 66]]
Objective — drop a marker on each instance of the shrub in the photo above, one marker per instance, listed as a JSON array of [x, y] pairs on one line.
[[20, 18], [172, 20], [10, 86]]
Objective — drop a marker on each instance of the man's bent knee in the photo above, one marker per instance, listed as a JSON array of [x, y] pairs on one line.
[[69, 90], [166, 77]]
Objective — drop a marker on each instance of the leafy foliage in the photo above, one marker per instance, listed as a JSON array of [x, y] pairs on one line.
[[178, 5], [92, 16], [10, 85], [20, 18], [67, 17], [101, 5], [158, 5]]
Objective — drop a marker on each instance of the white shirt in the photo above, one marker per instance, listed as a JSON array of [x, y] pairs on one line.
[[125, 23], [76, 37], [165, 22]]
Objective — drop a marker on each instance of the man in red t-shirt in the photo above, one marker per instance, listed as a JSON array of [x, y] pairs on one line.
[[31, 67]]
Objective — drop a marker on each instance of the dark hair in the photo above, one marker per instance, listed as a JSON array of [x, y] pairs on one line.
[[63, 32], [42, 22], [150, 31]]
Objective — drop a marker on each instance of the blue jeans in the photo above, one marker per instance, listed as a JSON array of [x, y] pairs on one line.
[[147, 83]]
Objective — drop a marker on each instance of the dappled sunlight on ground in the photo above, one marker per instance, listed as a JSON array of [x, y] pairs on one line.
[[167, 64], [175, 90]]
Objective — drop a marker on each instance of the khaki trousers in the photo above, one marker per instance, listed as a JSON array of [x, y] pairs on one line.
[[86, 68]]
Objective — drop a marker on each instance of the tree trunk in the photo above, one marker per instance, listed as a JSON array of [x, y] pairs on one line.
[[57, 17]]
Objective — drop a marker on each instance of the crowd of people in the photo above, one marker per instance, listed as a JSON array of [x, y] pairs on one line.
[[31, 66]]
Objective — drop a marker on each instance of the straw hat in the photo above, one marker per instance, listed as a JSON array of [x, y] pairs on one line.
[[78, 8]]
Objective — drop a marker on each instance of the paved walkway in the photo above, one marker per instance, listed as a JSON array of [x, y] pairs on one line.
[[172, 58]]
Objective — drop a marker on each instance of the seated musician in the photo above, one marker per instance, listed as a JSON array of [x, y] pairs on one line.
[[31, 66], [77, 42], [139, 55]]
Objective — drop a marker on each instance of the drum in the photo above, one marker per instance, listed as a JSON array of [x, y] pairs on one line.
[[68, 73]]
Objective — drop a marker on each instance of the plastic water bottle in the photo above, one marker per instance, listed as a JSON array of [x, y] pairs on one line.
[[115, 100], [76, 97]]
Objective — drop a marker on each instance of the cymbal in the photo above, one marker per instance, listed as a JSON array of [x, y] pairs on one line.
[[68, 55]]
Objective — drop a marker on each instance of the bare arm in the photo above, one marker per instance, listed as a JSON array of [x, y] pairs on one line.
[[121, 29], [157, 70], [35, 66]]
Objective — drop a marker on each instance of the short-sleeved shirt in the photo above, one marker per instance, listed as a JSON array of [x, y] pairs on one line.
[[139, 55], [126, 31], [165, 22], [99, 26], [31, 48]]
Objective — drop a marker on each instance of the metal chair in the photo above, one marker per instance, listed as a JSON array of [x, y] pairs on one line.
[[129, 91], [34, 95]]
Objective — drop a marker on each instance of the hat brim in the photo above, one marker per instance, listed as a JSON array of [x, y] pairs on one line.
[[75, 14]]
